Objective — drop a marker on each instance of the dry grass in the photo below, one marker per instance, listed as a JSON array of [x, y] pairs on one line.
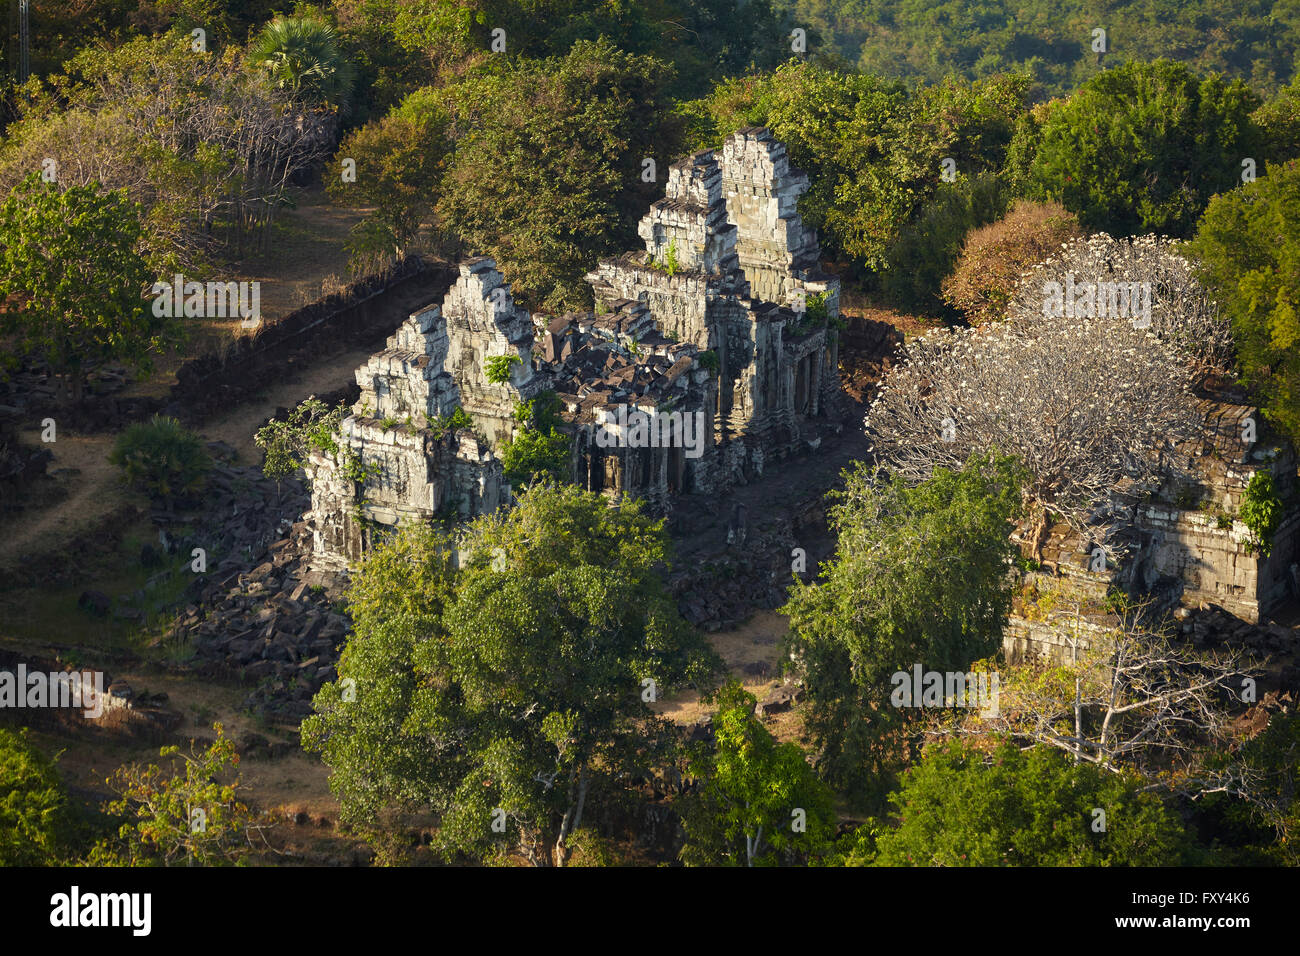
[[306, 256], [757, 640]]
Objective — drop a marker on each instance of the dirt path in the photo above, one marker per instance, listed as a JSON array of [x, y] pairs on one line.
[[237, 427], [92, 491], [96, 489], [305, 261]]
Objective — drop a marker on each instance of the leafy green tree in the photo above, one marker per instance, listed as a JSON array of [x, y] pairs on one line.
[[926, 250], [36, 818], [509, 695], [540, 449], [873, 148], [383, 766], [760, 803], [546, 175], [73, 281], [1142, 147], [920, 575], [1248, 247], [191, 817], [302, 55], [1278, 121], [162, 458], [312, 426], [961, 806], [400, 160], [1263, 826]]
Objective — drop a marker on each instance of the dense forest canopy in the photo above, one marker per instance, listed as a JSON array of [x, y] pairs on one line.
[[954, 150], [929, 40]]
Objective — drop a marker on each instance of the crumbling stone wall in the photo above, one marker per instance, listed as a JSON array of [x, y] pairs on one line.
[[356, 316], [1187, 546], [690, 222]]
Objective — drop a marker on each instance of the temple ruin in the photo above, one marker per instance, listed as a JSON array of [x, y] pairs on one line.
[[1185, 547], [709, 355]]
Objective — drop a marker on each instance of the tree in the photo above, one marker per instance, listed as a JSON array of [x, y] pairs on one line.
[[926, 249], [540, 449], [1248, 251], [186, 818], [1272, 759], [162, 458], [1133, 701], [154, 117], [759, 801], [73, 280], [1279, 125], [546, 173], [288, 444], [994, 257], [400, 160], [873, 148], [1089, 404], [1143, 146], [36, 818], [1011, 807], [302, 55], [920, 575], [506, 691]]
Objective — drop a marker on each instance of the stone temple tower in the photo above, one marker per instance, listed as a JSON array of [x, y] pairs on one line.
[[724, 319], [762, 193]]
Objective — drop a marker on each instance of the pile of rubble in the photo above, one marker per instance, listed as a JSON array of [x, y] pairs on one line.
[[276, 625], [258, 613], [1212, 627]]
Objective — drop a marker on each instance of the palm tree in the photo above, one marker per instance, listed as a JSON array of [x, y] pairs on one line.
[[302, 54]]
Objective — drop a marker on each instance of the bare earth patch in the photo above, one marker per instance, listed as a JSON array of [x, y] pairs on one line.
[[756, 642]]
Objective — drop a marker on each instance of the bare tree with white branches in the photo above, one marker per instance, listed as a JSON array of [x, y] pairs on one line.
[[1182, 312], [1129, 700], [1093, 405]]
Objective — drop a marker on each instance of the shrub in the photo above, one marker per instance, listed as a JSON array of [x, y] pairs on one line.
[[457, 420], [35, 818], [160, 806], [670, 258], [995, 256], [162, 458], [1261, 510], [497, 367], [312, 425]]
